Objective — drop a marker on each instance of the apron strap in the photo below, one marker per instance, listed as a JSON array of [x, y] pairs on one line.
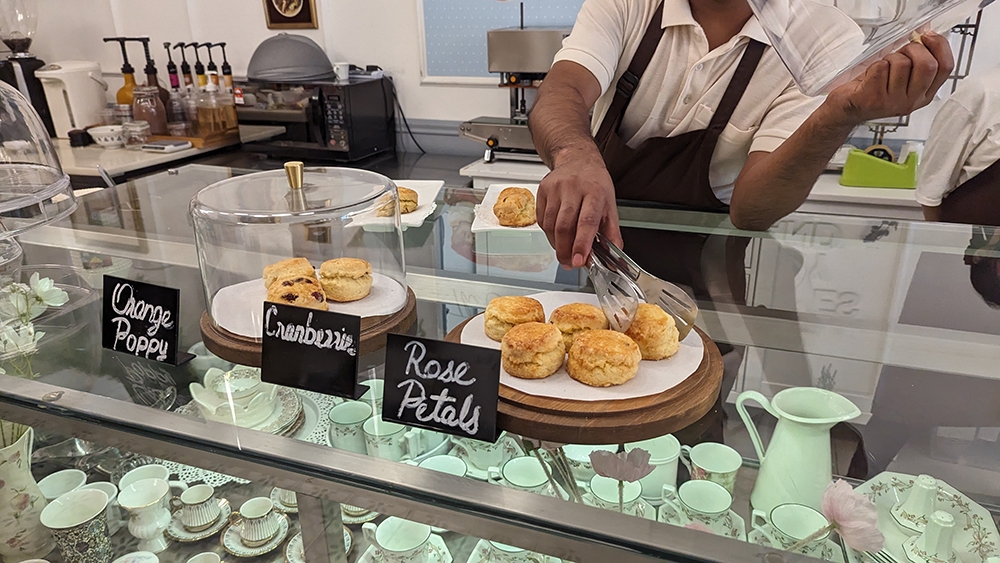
[[629, 81], [741, 79]]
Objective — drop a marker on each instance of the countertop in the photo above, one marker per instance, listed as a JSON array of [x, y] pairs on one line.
[[83, 161]]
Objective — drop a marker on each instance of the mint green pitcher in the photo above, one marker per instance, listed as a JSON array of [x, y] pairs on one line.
[[797, 465]]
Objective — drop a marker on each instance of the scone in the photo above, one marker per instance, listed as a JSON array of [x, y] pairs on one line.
[[601, 358], [346, 279], [655, 332], [576, 317], [503, 313], [515, 207], [290, 267], [532, 350], [407, 203], [300, 291]]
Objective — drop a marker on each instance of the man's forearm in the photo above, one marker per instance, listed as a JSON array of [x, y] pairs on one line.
[[776, 184], [560, 126]]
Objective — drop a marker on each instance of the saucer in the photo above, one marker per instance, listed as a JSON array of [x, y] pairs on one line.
[[138, 557], [510, 450], [482, 551], [827, 551], [354, 518], [233, 545], [730, 525], [907, 521], [438, 552], [295, 551], [917, 555], [280, 506], [177, 532], [642, 507]]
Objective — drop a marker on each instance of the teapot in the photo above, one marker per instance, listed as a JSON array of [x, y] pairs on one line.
[[796, 467]]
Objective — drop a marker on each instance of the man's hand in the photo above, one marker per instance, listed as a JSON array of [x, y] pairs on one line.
[[898, 84], [576, 200]]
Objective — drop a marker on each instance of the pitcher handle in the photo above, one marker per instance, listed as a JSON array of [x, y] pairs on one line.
[[745, 396]]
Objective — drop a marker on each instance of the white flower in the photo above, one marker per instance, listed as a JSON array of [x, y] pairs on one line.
[[47, 292], [22, 341]]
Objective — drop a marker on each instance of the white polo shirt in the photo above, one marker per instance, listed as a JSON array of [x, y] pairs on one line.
[[684, 82], [964, 139]]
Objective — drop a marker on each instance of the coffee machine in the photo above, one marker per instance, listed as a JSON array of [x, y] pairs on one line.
[[18, 21], [522, 56]]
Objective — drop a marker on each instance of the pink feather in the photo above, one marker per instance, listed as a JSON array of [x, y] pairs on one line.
[[853, 516]]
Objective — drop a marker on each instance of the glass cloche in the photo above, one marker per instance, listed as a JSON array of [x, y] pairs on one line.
[[258, 228], [33, 188]]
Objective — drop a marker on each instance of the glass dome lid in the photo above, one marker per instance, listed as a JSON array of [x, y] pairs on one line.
[[33, 188]]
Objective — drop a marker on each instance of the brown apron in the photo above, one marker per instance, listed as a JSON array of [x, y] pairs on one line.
[[673, 171], [977, 201]]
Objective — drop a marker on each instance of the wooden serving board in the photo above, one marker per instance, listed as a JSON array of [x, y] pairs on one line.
[[246, 351], [613, 421]]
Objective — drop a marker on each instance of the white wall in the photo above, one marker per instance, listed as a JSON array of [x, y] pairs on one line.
[[382, 32]]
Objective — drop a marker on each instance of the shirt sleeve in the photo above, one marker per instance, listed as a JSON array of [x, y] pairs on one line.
[[597, 39], [948, 148], [783, 117]]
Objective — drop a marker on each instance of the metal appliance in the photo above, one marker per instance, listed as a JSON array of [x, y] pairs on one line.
[[75, 93], [522, 56], [18, 20]]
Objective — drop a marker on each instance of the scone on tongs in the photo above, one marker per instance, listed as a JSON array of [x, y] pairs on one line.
[[655, 332]]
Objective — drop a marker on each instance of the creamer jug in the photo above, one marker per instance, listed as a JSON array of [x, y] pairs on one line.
[[796, 467]]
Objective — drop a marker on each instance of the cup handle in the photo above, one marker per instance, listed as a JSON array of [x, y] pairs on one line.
[[368, 529], [412, 443], [235, 518], [756, 397], [669, 496], [758, 521], [175, 504], [685, 458], [493, 473]]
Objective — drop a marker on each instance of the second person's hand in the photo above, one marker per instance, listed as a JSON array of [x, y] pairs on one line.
[[576, 200]]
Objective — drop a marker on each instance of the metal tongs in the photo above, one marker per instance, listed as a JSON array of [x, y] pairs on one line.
[[626, 283]]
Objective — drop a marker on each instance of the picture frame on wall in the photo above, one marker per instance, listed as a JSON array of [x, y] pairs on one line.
[[290, 14]]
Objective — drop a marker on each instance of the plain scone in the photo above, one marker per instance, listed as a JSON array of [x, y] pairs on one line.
[[574, 318], [655, 332], [601, 358], [503, 313], [346, 279], [408, 202], [515, 207], [532, 350], [285, 268], [300, 291]]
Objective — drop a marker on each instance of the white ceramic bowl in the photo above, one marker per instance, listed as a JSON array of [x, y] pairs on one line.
[[108, 136]]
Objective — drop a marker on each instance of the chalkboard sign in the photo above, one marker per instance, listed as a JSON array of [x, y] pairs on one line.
[[448, 387], [310, 349], [141, 319]]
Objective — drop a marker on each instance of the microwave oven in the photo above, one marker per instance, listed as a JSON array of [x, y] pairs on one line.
[[341, 121]]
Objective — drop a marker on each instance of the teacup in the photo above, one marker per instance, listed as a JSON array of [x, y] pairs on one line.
[[206, 557], [446, 464], [286, 497], [713, 462], [664, 452], [147, 502], [399, 540], [259, 522], [578, 456], [198, 507], [700, 501], [80, 528], [151, 471], [346, 421], [373, 396], [604, 491], [389, 440], [503, 553], [524, 472], [61, 482], [112, 511], [482, 455], [788, 524], [238, 383]]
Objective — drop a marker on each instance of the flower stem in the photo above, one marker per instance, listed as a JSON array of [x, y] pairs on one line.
[[812, 537], [621, 496]]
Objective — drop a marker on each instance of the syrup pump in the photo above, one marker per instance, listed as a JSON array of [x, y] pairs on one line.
[[227, 71], [150, 70], [199, 69], [213, 70], [124, 95], [185, 66], [175, 82]]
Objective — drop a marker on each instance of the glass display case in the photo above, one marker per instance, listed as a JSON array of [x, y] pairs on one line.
[[892, 325]]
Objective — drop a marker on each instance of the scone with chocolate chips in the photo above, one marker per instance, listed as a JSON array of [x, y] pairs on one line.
[[300, 291]]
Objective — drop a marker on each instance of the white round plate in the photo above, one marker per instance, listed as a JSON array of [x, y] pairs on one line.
[[233, 545], [176, 531], [138, 557]]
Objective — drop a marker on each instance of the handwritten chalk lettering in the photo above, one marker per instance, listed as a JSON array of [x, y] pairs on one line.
[[432, 369], [123, 302], [443, 411], [149, 348], [340, 340]]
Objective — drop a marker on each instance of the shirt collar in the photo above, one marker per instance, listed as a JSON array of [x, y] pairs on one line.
[[678, 13]]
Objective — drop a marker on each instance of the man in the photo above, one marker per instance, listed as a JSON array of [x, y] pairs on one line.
[[679, 139], [960, 172]]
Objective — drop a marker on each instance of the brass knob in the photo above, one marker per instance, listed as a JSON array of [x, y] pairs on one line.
[[293, 170]]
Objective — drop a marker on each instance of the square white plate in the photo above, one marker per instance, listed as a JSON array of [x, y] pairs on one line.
[[486, 221], [427, 191]]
